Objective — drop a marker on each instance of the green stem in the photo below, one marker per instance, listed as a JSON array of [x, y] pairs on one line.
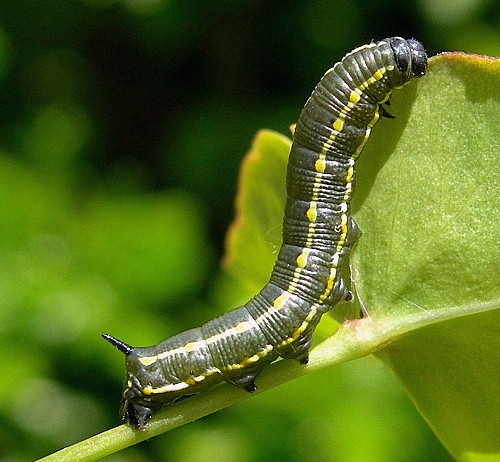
[[354, 339]]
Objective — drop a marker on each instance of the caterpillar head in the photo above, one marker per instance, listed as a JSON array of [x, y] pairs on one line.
[[410, 56]]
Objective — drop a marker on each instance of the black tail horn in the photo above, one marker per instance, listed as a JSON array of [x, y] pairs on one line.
[[122, 346]]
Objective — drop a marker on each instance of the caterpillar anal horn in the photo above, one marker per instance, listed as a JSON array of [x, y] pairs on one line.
[[118, 344]]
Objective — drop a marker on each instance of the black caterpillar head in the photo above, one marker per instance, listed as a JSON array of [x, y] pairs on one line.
[[410, 56]]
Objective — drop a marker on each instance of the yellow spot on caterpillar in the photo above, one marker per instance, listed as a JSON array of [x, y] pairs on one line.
[[238, 329], [350, 174], [379, 74], [181, 350], [149, 390], [363, 143], [329, 284], [301, 329], [338, 125], [312, 213], [320, 165], [147, 361], [171, 387], [302, 258], [355, 96], [190, 346], [343, 228], [241, 327], [251, 360], [280, 301]]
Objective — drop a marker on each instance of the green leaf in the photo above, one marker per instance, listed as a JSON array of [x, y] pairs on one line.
[[254, 238], [431, 244], [451, 371]]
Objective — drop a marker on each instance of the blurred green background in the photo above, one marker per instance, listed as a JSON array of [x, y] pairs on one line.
[[122, 127]]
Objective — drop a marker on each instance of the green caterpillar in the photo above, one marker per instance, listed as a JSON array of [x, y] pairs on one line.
[[318, 233]]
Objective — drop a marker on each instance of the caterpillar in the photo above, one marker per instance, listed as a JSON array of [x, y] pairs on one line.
[[318, 233]]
